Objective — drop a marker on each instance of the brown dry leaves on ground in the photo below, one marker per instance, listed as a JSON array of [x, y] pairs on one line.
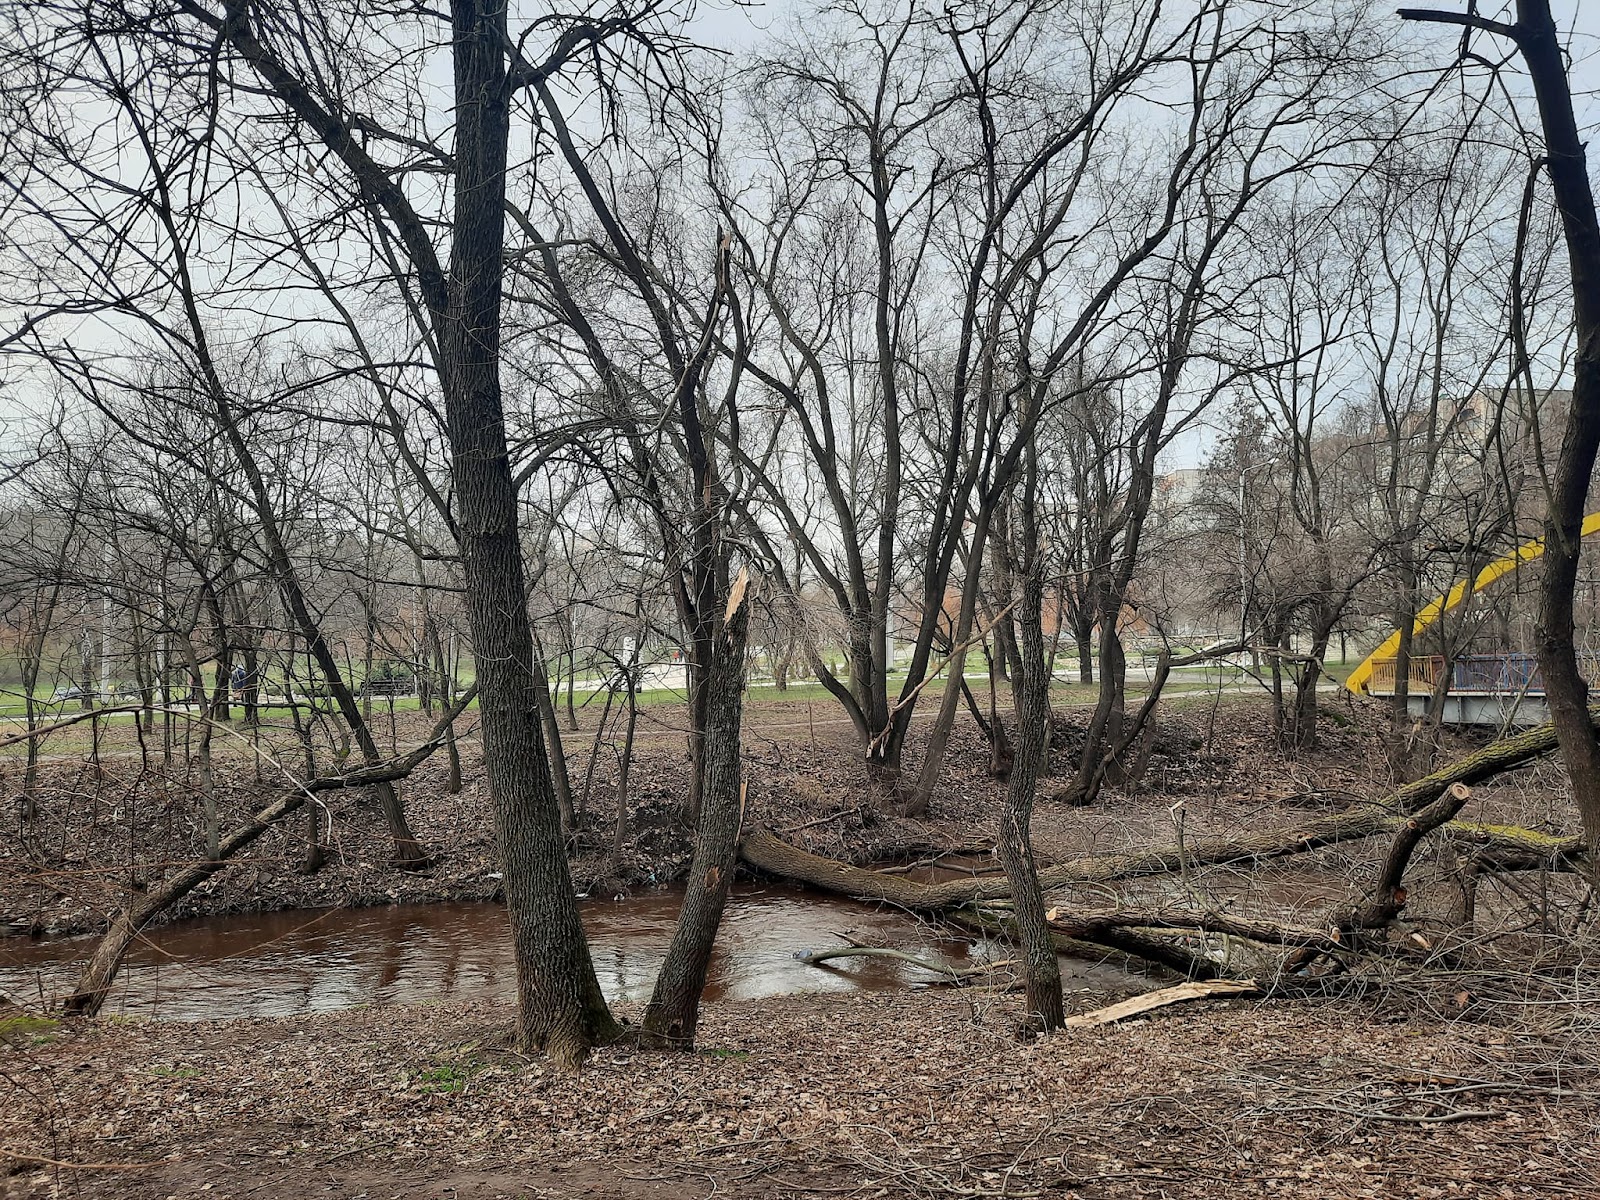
[[903, 1095]]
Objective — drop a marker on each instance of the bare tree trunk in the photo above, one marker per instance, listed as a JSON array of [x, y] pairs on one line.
[[1041, 971], [208, 710], [594, 752], [1304, 714], [1565, 689], [222, 709], [316, 856], [1399, 733], [551, 724], [252, 684], [572, 678], [447, 689], [1535, 36], [1280, 638], [624, 767], [560, 1009], [1001, 755], [1083, 635], [674, 1008], [916, 802], [619, 837], [1106, 723]]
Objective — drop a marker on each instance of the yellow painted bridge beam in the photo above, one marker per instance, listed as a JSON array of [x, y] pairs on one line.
[[1362, 675]]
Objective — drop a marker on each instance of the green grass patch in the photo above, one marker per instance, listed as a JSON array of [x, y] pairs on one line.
[[723, 1054], [447, 1078], [26, 1031]]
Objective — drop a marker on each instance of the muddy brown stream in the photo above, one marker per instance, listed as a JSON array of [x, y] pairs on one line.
[[282, 964]]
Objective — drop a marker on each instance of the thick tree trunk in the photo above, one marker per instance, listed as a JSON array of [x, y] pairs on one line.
[[1083, 635], [870, 691], [252, 684], [674, 1008], [221, 709], [1565, 689], [560, 1009], [1303, 722]]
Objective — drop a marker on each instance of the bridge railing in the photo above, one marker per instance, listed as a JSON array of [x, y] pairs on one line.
[[1422, 673], [1509, 674]]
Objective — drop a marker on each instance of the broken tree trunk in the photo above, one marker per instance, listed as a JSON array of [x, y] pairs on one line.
[[673, 1014], [1388, 896]]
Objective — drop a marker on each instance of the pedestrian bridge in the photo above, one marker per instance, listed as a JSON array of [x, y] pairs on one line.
[[1483, 689]]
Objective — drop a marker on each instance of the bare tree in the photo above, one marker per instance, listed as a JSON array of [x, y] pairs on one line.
[[1534, 35]]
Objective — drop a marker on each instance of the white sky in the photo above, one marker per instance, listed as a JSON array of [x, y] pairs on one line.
[[737, 27]]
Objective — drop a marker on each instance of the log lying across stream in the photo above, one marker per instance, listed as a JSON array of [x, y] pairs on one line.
[[1430, 802]]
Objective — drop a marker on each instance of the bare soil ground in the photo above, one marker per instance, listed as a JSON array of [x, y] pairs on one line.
[[899, 1095]]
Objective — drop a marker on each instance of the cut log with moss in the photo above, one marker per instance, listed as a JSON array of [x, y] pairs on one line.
[[1494, 847]]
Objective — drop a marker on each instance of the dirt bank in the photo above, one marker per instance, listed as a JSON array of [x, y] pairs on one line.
[[104, 827]]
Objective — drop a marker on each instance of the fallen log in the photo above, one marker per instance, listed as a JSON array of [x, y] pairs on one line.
[[762, 850], [1514, 848], [1133, 948], [1092, 926]]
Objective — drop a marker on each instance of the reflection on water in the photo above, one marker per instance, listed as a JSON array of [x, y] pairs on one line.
[[279, 964]]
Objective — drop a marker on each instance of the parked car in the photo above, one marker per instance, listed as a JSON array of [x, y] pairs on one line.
[[67, 694]]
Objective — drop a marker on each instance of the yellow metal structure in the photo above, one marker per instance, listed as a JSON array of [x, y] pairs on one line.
[[1360, 679]]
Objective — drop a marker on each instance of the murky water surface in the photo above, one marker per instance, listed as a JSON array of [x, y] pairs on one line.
[[281, 964]]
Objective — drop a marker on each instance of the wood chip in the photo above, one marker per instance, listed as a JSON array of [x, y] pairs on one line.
[[1132, 1007]]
